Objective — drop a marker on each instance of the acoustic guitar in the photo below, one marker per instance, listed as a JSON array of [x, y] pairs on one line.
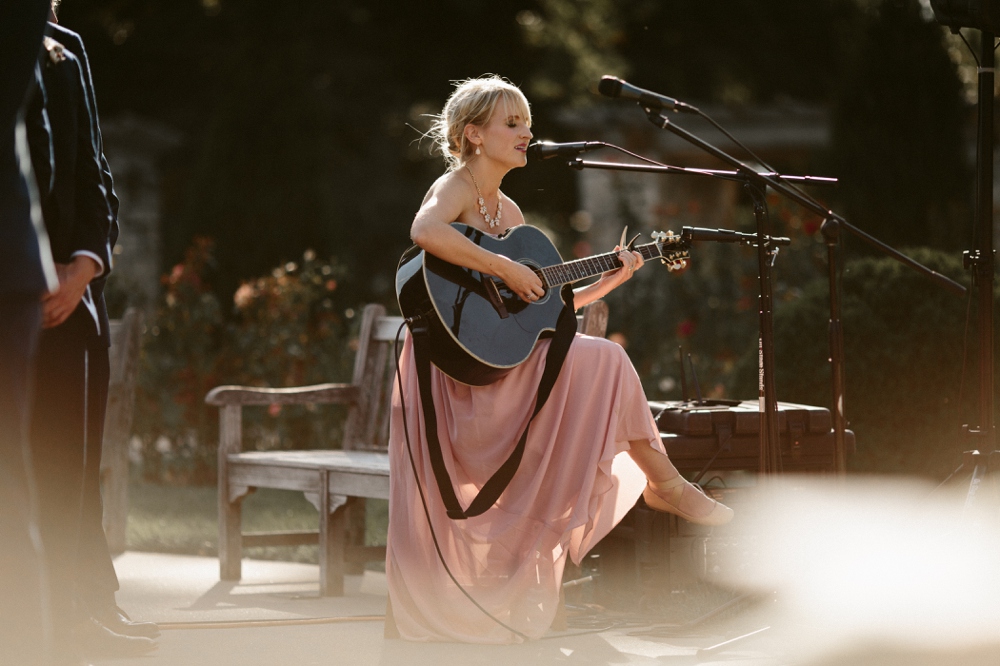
[[479, 328]]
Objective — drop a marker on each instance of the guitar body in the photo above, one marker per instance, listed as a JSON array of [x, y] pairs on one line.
[[471, 340]]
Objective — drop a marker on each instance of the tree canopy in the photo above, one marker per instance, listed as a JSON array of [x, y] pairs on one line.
[[303, 118]]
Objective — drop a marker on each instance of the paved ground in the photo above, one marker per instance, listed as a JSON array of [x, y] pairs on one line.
[[875, 574], [275, 617]]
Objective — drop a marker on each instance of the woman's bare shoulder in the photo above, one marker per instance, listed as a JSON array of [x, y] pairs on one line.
[[447, 185]]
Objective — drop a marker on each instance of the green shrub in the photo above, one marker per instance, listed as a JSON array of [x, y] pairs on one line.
[[291, 328], [903, 340], [180, 362], [286, 329], [711, 308]]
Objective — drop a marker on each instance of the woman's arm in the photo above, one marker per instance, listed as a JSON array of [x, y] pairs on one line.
[[631, 262], [431, 230]]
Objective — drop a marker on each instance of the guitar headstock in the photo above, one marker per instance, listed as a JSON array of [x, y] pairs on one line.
[[673, 250]]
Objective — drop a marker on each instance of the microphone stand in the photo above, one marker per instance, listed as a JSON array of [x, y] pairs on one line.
[[580, 164], [981, 262], [982, 259], [757, 183], [767, 251]]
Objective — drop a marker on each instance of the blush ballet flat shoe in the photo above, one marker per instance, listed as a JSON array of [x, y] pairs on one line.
[[674, 489]]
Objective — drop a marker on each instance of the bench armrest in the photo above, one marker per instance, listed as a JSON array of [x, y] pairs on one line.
[[222, 396]]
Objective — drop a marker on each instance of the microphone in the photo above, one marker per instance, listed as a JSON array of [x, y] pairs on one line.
[[720, 235], [727, 236], [543, 150], [611, 86]]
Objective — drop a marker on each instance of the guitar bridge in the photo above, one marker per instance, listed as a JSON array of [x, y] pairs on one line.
[[493, 294]]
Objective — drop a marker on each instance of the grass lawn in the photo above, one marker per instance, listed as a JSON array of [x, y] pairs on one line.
[[183, 519]]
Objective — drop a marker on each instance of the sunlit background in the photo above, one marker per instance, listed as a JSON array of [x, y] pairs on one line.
[[270, 157]]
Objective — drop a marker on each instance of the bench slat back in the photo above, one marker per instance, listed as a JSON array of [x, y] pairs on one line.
[[367, 427]]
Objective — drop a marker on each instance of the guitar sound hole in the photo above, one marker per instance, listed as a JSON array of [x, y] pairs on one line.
[[535, 267]]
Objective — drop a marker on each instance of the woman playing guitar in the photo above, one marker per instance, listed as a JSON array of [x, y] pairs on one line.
[[590, 452]]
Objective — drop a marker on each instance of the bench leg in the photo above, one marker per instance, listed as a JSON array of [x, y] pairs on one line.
[[332, 542], [230, 500], [355, 540], [230, 536]]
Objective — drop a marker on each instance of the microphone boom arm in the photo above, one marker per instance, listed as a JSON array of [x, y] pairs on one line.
[[769, 180], [757, 183]]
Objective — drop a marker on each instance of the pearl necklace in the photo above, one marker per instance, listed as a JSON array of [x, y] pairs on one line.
[[490, 221]]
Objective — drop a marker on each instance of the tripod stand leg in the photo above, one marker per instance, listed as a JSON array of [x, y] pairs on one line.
[[709, 651], [980, 467]]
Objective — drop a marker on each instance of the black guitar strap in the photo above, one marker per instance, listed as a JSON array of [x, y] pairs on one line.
[[494, 487]]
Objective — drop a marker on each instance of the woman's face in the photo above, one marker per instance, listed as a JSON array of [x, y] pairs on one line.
[[506, 137]]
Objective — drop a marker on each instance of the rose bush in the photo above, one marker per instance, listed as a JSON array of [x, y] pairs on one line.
[[285, 329]]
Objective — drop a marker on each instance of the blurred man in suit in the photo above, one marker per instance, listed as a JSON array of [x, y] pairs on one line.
[[98, 582], [25, 273], [79, 221]]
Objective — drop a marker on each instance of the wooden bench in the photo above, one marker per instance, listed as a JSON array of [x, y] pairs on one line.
[[337, 481]]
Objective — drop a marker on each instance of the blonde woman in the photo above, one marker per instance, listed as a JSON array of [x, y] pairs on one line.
[[591, 451]]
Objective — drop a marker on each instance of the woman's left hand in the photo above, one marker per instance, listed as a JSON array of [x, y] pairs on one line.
[[631, 262]]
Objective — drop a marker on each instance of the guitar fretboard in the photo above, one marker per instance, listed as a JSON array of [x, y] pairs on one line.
[[571, 271]]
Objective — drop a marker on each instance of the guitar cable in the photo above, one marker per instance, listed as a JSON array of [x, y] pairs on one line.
[[410, 321]]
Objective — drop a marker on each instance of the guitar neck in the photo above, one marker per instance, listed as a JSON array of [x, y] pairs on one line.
[[580, 269]]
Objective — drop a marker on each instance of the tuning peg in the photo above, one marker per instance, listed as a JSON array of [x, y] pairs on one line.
[[677, 265], [662, 236]]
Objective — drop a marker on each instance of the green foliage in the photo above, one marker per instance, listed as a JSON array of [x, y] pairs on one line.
[[303, 117], [180, 362], [903, 339], [710, 310], [289, 328], [303, 121], [285, 321], [579, 38], [172, 519]]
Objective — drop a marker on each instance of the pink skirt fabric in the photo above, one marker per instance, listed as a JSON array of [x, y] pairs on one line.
[[575, 482]]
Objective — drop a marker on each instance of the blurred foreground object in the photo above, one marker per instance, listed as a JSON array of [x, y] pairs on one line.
[[872, 564]]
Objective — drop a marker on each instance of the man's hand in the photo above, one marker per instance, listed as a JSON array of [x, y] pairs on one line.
[[74, 277]]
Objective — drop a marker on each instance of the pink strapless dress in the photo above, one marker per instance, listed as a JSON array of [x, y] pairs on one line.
[[576, 481]]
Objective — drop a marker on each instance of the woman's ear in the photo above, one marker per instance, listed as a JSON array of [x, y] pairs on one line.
[[472, 135]]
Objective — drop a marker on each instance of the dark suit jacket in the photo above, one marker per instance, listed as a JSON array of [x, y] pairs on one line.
[[74, 44], [76, 209], [21, 25]]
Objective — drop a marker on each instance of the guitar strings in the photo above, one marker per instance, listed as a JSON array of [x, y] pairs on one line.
[[578, 269]]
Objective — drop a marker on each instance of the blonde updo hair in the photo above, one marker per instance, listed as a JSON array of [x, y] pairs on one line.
[[474, 101]]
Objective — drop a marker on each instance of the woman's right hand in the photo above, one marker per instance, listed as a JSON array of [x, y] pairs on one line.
[[522, 281]]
